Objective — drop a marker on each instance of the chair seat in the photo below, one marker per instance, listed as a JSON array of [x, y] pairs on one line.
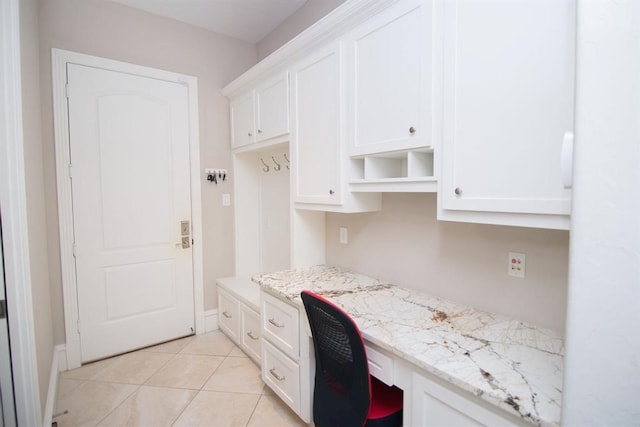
[[386, 405]]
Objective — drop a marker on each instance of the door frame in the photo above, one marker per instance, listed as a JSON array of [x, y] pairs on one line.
[[59, 60], [15, 221]]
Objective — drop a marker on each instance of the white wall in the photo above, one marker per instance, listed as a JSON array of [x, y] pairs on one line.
[[467, 263], [118, 32], [602, 364], [303, 18], [34, 182]]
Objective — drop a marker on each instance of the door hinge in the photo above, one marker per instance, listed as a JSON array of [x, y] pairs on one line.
[[3, 309], [66, 90]]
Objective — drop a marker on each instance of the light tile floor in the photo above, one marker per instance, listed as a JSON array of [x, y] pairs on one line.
[[202, 380]]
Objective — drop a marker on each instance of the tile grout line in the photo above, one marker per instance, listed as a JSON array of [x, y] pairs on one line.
[[118, 405], [200, 390]]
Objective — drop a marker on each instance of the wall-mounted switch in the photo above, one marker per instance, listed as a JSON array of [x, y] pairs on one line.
[[516, 267], [344, 235]]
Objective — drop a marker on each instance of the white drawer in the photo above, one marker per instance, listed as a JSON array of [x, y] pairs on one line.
[[280, 325], [380, 365], [250, 333], [282, 375], [229, 314]]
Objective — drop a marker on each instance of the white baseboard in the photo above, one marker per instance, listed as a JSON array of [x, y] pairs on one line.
[[211, 320], [58, 364]]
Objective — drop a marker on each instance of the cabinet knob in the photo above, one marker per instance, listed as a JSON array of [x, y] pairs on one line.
[[249, 134], [331, 192], [412, 130], [259, 130], [458, 191]]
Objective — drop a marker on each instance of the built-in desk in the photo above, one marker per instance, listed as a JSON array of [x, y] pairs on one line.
[[456, 365]]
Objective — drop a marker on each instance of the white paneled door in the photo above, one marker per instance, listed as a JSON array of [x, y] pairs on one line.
[[130, 169]]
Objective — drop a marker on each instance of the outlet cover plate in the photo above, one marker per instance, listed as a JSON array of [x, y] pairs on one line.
[[517, 264]]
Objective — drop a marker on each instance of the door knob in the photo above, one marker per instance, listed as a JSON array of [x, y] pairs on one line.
[[185, 242]]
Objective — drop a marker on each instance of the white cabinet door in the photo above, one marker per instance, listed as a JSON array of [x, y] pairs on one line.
[[261, 114], [434, 405], [272, 108], [229, 317], [251, 332], [317, 135], [508, 101], [390, 79], [242, 121]]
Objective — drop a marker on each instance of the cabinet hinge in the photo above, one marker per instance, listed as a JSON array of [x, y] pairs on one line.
[[78, 326], [66, 90], [3, 310], [74, 249], [70, 171]]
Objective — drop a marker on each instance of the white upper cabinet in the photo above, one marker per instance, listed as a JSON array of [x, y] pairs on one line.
[[390, 79], [319, 157], [272, 108], [316, 107], [261, 114], [242, 120], [509, 72]]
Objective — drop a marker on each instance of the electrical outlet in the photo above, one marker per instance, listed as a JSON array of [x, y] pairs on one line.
[[344, 235], [517, 265]]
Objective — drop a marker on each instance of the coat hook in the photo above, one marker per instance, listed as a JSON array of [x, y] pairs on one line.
[[287, 159], [277, 165], [266, 166]]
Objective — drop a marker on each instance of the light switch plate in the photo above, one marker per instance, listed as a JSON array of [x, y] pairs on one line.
[[344, 235]]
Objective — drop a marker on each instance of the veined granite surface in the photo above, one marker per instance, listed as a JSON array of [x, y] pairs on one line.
[[506, 362]]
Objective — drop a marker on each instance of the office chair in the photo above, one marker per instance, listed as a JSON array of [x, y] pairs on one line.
[[345, 395]]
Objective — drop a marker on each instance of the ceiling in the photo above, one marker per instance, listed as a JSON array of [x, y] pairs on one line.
[[248, 20]]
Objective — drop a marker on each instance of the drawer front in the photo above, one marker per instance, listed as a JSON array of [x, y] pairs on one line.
[[380, 365], [282, 375], [250, 333], [280, 325], [229, 314]]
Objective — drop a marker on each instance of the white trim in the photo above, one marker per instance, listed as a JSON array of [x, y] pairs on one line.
[[60, 58], [59, 352], [337, 22], [211, 320], [15, 221]]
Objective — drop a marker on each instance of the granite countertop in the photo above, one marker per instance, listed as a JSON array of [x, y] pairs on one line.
[[508, 363]]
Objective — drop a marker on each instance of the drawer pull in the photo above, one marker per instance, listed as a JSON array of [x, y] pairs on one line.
[[273, 372], [276, 324], [227, 315], [253, 337]]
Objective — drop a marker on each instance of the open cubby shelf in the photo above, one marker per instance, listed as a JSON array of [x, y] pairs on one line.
[[413, 169]]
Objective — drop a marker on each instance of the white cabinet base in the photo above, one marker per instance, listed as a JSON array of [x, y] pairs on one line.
[[433, 404]]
